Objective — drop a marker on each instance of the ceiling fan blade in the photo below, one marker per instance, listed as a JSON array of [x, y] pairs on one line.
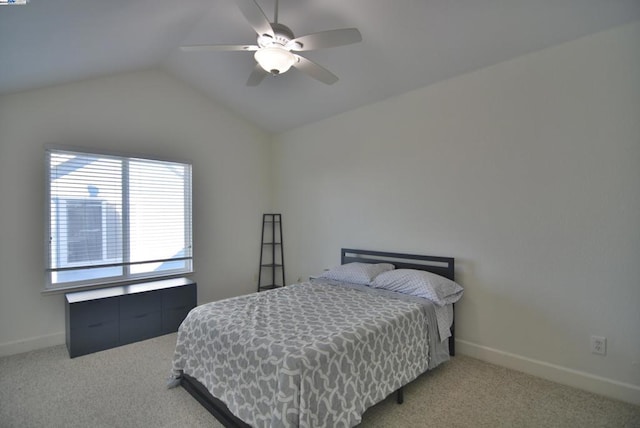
[[314, 70], [256, 76], [256, 17], [219, 48], [325, 39]]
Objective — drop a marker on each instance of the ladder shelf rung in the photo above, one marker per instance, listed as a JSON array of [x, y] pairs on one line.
[[269, 287]]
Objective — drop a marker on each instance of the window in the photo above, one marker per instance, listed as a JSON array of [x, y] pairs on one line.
[[113, 218]]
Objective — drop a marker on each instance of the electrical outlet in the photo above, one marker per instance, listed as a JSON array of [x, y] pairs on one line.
[[599, 345]]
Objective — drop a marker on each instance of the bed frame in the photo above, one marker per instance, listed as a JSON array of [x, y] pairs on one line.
[[443, 266]]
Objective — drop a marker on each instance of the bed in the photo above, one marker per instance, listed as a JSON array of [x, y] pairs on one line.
[[318, 353]]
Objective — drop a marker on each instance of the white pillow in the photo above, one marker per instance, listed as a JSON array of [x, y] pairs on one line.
[[436, 288], [356, 273]]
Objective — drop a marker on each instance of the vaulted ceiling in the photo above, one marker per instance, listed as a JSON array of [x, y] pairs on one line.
[[406, 44]]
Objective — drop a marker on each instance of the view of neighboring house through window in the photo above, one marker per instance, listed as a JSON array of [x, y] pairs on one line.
[[113, 218]]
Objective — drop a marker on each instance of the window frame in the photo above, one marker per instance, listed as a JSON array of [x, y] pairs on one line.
[[126, 277]]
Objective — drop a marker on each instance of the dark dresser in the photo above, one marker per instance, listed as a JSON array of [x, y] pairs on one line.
[[109, 317]]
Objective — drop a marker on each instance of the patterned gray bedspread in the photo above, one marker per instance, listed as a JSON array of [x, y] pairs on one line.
[[307, 355]]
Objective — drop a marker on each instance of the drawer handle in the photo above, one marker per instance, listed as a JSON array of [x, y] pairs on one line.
[[141, 316], [95, 325]]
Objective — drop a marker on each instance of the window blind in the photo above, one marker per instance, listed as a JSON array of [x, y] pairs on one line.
[[115, 218]]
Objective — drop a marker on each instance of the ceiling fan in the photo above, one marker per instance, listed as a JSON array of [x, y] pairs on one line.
[[274, 52]]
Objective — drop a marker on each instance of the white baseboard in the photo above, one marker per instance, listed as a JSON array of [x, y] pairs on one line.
[[26, 345], [566, 376]]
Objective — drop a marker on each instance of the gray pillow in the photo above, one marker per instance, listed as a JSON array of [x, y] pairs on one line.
[[356, 273], [436, 288]]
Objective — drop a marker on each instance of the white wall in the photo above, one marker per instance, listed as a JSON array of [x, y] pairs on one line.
[[145, 112], [528, 172]]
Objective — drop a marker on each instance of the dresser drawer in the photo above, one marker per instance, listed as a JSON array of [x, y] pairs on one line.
[[172, 318], [179, 297], [176, 304], [92, 338], [140, 327], [93, 311], [135, 305]]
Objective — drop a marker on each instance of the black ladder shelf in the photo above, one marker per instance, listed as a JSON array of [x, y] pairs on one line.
[[271, 260]]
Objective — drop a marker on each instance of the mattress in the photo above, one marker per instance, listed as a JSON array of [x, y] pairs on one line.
[[310, 354]]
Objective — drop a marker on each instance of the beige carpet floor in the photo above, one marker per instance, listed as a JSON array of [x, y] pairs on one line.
[[125, 387]]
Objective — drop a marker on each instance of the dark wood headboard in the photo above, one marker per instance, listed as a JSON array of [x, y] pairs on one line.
[[443, 266]]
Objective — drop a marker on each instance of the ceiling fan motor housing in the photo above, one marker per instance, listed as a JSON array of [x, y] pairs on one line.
[[281, 36]]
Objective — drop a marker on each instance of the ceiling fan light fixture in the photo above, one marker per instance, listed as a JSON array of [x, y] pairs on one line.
[[275, 60]]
